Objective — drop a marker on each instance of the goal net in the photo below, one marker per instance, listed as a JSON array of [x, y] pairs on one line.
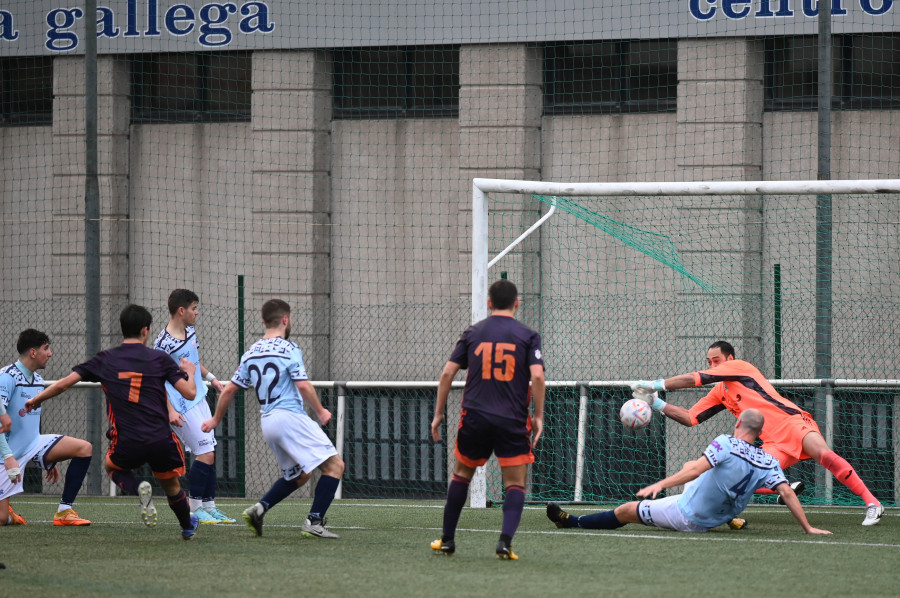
[[635, 281]]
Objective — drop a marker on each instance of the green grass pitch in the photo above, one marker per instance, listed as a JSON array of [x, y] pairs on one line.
[[384, 552]]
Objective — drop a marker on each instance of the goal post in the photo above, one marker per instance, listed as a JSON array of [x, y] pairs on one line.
[[613, 304]]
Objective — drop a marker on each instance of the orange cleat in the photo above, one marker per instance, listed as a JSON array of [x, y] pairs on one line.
[[15, 519], [69, 517]]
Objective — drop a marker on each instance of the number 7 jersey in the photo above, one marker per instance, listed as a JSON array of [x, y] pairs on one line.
[[498, 352], [273, 366]]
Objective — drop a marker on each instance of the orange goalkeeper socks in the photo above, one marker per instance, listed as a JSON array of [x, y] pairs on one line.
[[846, 475]]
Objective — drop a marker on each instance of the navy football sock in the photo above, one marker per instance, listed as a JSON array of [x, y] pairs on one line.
[[209, 494], [325, 491], [126, 481], [604, 520], [198, 478], [78, 468], [280, 490], [456, 500], [512, 510]]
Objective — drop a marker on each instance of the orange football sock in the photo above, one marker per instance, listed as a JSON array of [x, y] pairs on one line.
[[846, 475]]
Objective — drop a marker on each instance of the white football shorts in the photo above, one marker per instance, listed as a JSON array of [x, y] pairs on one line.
[[191, 436], [298, 442], [35, 455], [666, 514]]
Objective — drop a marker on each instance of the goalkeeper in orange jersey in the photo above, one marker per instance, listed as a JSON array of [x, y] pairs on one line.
[[789, 434]]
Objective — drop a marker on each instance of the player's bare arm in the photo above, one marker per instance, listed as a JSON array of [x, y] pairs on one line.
[[51, 391], [444, 386], [5, 423], [793, 504], [690, 471], [225, 399], [187, 388], [308, 392], [538, 391]]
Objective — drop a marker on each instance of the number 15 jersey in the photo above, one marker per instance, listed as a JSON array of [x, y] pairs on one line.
[[272, 366], [498, 352]]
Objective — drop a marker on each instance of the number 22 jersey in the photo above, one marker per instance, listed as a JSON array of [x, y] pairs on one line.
[[273, 366]]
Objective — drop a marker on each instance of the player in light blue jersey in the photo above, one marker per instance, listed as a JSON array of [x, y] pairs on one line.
[[179, 339], [24, 442], [273, 366], [727, 475]]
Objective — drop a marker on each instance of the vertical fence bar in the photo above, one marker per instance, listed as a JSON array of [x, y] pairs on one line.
[[92, 303], [776, 304], [829, 437]]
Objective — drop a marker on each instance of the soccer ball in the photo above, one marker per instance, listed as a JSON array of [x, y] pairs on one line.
[[635, 414]]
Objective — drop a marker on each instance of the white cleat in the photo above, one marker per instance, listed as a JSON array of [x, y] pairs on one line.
[[873, 514], [318, 530], [148, 511]]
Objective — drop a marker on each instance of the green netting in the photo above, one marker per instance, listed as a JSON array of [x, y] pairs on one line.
[[324, 153], [643, 294]]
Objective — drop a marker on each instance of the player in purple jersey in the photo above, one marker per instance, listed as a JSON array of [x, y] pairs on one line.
[[133, 377], [503, 356]]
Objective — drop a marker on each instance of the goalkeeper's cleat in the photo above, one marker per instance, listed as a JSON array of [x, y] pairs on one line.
[[797, 487], [148, 510], [557, 515], [873, 514], [253, 517], [738, 523], [442, 546], [505, 552], [69, 517], [14, 518]]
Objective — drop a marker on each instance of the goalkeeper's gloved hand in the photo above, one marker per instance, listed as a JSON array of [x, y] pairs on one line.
[[648, 391]]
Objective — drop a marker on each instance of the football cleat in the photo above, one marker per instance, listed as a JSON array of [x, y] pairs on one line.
[[69, 517], [557, 515], [505, 552], [148, 510], [219, 515], [442, 546], [253, 517], [205, 516], [873, 514], [797, 487], [14, 518], [318, 530], [738, 523], [188, 534]]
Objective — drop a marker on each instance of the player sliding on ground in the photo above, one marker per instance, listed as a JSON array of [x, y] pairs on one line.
[[790, 434], [727, 475], [133, 377]]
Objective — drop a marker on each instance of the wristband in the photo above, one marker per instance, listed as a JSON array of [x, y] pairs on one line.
[[7, 456], [658, 404], [659, 385], [209, 377]]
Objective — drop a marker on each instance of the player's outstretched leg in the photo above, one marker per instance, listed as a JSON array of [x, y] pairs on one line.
[[148, 509]]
